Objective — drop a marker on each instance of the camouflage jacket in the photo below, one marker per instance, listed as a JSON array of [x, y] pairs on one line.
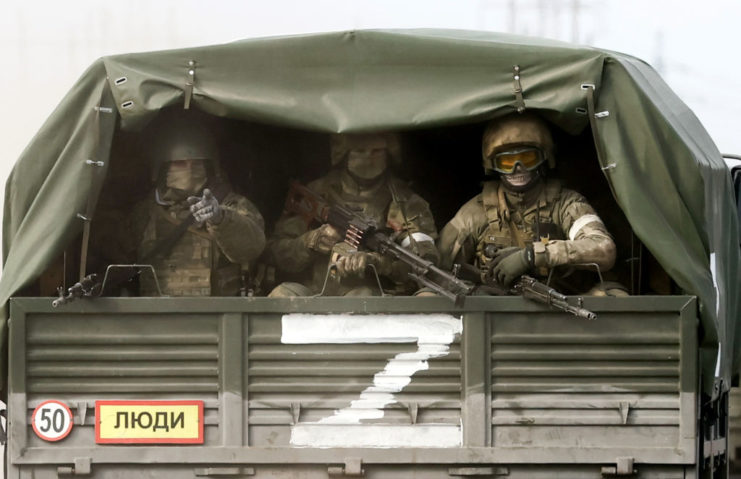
[[207, 260], [560, 224], [289, 254]]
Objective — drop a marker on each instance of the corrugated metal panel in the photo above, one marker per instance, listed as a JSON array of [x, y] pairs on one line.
[[123, 354], [307, 383], [517, 387], [564, 375]]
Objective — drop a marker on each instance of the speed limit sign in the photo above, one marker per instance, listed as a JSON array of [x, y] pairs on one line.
[[52, 420]]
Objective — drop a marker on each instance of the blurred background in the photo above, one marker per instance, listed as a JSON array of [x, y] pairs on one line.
[[46, 45]]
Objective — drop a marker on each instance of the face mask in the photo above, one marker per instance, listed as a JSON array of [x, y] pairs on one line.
[[367, 164], [520, 179], [186, 175]]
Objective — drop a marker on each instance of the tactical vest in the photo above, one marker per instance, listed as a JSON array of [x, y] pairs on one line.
[[191, 267], [383, 209], [509, 227]]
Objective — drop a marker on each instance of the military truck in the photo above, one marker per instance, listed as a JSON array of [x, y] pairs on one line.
[[377, 387], [734, 166]]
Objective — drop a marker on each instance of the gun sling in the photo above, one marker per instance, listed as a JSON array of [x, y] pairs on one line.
[[165, 244]]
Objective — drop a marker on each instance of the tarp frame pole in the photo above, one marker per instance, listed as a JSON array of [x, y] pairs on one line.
[[105, 124]]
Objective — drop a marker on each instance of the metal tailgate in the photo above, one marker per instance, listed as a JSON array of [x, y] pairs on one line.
[[374, 387]]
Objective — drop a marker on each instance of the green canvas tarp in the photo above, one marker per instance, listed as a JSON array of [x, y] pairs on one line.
[[664, 170]]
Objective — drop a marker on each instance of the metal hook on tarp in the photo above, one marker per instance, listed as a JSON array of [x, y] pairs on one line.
[[519, 100], [189, 82]]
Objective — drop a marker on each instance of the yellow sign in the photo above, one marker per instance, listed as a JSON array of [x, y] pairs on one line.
[[148, 422]]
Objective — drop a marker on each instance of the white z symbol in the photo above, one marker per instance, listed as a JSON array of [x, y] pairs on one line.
[[433, 334]]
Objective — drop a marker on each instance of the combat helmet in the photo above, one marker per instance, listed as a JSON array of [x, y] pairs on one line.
[[186, 142], [517, 132], [341, 144]]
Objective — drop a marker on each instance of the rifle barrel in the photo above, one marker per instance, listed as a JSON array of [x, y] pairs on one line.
[[537, 291]]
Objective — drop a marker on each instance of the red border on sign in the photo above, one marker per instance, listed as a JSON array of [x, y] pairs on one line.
[[41, 434], [149, 440]]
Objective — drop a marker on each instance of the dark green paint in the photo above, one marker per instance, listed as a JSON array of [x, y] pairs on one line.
[[664, 170]]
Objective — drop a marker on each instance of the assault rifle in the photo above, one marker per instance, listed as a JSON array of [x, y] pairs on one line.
[[88, 286], [527, 287], [531, 288], [361, 231]]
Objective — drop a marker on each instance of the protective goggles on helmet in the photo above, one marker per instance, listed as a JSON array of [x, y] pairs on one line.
[[506, 161]]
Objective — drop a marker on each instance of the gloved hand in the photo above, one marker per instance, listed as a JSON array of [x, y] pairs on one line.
[[206, 208], [495, 255], [355, 263], [321, 239], [508, 264]]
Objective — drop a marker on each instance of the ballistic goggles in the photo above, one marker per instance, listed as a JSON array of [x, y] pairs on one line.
[[506, 161]]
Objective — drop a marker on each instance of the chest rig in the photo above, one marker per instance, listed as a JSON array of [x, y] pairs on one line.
[[379, 205], [193, 265], [507, 226], [184, 270]]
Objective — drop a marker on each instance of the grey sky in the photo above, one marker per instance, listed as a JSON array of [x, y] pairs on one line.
[[46, 45]]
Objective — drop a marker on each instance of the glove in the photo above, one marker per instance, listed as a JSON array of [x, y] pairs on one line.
[[355, 263], [509, 264], [494, 256], [321, 239], [206, 209]]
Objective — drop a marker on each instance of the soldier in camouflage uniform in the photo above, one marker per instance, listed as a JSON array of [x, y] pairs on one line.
[[524, 223], [226, 230], [360, 179]]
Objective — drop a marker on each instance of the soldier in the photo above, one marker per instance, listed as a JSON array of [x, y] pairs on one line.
[[361, 179], [224, 233], [523, 222]]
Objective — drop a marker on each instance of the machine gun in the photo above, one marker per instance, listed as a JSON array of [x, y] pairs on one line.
[[88, 286], [527, 287], [361, 231]]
